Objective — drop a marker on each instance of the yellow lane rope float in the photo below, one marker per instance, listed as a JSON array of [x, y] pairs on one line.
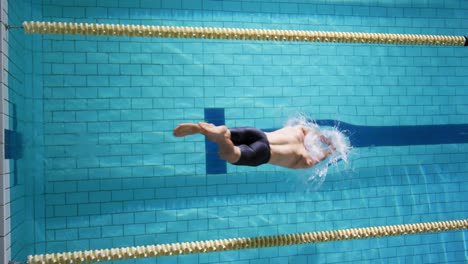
[[245, 243], [65, 28]]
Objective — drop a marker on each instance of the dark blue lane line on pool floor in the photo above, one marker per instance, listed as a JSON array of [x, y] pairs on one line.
[[213, 164], [366, 136], [359, 136]]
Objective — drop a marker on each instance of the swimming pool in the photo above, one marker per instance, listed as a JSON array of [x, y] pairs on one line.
[[100, 168]]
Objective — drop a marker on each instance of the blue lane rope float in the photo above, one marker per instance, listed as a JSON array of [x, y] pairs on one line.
[[221, 245], [65, 28]]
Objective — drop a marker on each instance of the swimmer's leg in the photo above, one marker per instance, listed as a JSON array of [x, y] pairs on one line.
[[221, 136], [218, 134]]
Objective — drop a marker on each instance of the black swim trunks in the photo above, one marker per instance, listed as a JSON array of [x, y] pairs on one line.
[[253, 144]]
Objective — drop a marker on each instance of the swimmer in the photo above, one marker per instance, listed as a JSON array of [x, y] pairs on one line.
[[253, 147]]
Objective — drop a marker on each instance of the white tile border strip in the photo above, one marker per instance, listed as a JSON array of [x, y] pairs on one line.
[[5, 242]]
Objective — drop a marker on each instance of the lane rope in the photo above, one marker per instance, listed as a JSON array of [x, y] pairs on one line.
[[64, 28], [245, 243]]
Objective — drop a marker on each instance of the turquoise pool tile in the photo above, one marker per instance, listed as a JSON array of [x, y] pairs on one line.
[[118, 242], [86, 92], [155, 228], [108, 115], [145, 217], [141, 81], [238, 222], [63, 46], [213, 70], [75, 104], [108, 69], [122, 195], [140, 58], [77, 198], [277, 260], [129, 91], [183, 81], [62, 187], [118, 103], [64, 116], [134, 114], [102, 81], [96, 57], [120, 127], [108, 47], [161, 59], [130, 47], [63, 93], [66, 234], [112, 208], [109, 138], [100, 220], [100, 243], [94, 127], [173, 70], [157, 69], [120, 172], [130, 230], [55, 57], [221, 223], [56, 246], [247, 188], [141, 126], [130, 69], [224, 81], [101, 196], [115, 12], [89, 209], [112, 231], [120, 58], [65, 210], [91, 232], [96, 12], [144, 240], [131, 161], [144, 103], [179, 226], [56, 223], [55, 199], [63, 69]]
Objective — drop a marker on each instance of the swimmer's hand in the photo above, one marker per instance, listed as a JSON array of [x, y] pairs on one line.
[[327, 141]]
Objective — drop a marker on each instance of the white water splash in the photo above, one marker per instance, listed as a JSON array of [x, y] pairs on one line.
[[315, 146]]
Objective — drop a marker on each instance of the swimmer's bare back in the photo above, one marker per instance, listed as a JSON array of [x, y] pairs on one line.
[[288, 150]]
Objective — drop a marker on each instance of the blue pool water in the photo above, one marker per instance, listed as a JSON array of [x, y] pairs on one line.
[[100, 167]]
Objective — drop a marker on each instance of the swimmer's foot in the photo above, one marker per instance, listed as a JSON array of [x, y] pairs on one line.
[[221, 136], [186, 129], [214, 133]]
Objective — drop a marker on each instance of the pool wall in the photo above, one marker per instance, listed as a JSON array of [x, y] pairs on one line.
[[22, 172], [113, 175]]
